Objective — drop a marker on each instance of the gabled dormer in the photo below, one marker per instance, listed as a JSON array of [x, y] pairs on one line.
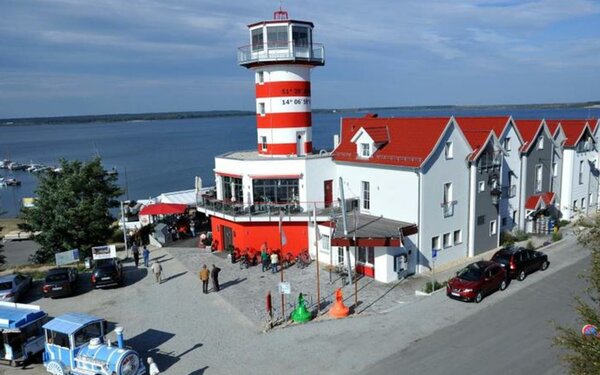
[[368, 141]]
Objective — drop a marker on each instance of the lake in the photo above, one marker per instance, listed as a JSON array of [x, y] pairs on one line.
[[153, 157]]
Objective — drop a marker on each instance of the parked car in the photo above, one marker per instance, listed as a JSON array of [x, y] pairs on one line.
[[477, 280], [107, 272], [519, 262], [59, 282], [13, 287]]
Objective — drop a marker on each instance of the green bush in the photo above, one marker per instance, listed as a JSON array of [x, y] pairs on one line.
[[117, 236], [563, 223], [530, 245], [428, 289], [556, 236], [507, 239], [520, 235]]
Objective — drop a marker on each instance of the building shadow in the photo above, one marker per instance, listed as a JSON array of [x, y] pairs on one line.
[[229, 283], [132, 275], [148, 342], [200, 371]]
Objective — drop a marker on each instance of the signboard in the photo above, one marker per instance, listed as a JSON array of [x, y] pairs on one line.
[[104, 252], [285, 288], [67, 257]]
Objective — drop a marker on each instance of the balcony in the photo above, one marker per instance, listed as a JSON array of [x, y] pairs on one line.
[[275, 53], [509, 191], [448, 208]]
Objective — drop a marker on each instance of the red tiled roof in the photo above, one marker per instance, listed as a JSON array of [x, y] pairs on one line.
[[477, 139], [573, 129], [594, 122], [552, 126], [378, 134], [495, 123], [534, 201], [528, 130], [411, 140]]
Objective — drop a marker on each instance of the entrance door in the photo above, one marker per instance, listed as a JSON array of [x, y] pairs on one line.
[[328, 189], [300, 141], [365, 264], [227, 237]]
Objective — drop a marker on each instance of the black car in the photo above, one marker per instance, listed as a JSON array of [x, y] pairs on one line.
[[59, 282], [519, 262], [107, 272]]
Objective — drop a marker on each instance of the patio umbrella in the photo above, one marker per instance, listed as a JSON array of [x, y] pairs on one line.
[[164, 209]]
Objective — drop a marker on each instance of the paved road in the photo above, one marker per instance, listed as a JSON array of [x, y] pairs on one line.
[[512, 337]]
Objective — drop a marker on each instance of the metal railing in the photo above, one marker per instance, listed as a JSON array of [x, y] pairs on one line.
[[276, 52], [509, 191], [398, 158]]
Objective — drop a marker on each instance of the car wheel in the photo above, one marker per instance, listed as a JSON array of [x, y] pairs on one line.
[[522, 275], [544, 265], [503, 285], [478, 297]]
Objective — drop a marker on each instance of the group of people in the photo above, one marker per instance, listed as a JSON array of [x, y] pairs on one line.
[[156, 266], [269, 261], [206, 274]]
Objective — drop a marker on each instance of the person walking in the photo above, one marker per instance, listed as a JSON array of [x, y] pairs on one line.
[[204, 276], [274, 262], [157, 270], [146, 255], [214, 273], [264, 257], [152, 368], [135, 250]]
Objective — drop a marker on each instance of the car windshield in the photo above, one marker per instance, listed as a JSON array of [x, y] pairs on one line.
[[57, 277], [470, 274], [104, 263], [502, 258], [6, 286]]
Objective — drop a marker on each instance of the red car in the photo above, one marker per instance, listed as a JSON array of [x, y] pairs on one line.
[[477, 280]]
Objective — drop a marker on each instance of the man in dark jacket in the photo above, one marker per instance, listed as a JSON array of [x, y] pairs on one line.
[[215, 277]]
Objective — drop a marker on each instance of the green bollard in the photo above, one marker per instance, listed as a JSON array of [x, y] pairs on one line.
[[301, 314]]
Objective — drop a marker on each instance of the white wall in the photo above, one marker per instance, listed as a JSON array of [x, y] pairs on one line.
[[513, 161], [571, 189]]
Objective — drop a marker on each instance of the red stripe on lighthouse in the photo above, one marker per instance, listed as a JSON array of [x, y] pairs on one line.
[[278, 89], [283, 148], [284, 120]]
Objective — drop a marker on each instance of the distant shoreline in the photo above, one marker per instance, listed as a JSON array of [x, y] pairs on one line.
[[131, 117]]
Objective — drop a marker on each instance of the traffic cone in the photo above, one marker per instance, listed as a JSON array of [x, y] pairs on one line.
[[339, 310]]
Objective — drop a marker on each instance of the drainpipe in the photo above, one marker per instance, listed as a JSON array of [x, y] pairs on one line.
[[472, 218]]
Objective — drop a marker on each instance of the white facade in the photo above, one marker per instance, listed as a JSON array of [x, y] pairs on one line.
[[575, 189], [510, 179]]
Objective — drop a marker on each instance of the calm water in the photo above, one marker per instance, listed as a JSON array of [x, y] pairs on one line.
[[160, 156]]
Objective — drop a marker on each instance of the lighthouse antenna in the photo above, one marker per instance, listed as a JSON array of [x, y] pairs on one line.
[[280, 14]]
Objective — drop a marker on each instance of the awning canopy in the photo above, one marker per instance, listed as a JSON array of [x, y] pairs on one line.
[[371, 231], [164, 209]]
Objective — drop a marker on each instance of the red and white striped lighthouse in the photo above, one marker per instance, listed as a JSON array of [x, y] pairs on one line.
[[281, 54]]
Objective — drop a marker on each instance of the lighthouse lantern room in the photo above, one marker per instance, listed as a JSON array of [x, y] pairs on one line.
[[281, 54]]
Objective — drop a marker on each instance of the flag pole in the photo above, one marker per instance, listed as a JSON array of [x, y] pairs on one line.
[[317, 250], [281, 262]]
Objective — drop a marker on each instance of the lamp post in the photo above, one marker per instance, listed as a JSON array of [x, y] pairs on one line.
[[124, 228]]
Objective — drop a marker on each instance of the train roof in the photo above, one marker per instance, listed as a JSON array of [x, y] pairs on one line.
[[16, 315], [71, 322]]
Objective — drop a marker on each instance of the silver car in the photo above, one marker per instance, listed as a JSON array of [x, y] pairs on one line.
[[13, 287]]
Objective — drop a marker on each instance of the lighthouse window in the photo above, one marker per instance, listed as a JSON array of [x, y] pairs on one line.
[[277, 37], [257, 40], [275, 190], [300, 36]]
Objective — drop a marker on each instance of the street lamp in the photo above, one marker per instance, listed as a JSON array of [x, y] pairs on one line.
[[124, 228]]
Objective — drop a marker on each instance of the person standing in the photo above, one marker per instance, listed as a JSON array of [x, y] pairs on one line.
[[204, 276], [274, 262], [135, 250], [152, 368], [146, 255], [264, 257], [193, 227], [214, 273], [157, 270]]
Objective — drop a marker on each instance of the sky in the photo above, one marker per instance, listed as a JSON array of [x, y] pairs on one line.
[[81, 57]]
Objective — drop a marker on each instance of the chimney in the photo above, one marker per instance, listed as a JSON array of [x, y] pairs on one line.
[[120, 340]]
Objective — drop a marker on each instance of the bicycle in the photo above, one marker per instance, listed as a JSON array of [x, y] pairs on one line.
[[303, 259]]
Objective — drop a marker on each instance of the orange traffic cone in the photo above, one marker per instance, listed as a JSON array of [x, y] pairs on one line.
[[339, 310]]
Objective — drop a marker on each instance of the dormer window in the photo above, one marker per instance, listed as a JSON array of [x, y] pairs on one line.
[[540, 143], [365, 150], [449, 150]]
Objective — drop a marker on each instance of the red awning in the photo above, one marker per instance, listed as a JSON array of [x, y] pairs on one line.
[[164, 209]]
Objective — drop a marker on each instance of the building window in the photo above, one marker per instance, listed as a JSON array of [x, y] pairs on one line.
[[449, 150], [581, 172], [554, 170], [575, 205], [514, 217], [260, 77], [277, 37], [435, 242], [366, 195], [340, 255], [365, 150], [447, 193], [366, 255], [582, 203], [325, 243], [447, 240], [300, 36], [481, 220], [257, 40], [590, 199], [277, 191], [504, 220], [457, 237], [507, 144], [232, 188], [540, 142], [263, 143], [493, 228], [261, 108], [481, 186], [539, 172]]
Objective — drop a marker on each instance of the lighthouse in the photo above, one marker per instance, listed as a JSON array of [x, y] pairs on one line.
[[281, 54]]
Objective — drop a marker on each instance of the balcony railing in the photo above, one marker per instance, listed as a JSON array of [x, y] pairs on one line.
[[314, 54], [448, 208]]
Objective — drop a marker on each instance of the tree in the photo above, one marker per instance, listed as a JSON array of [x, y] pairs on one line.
[[72, 209], [2, 256], [583, 352]]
